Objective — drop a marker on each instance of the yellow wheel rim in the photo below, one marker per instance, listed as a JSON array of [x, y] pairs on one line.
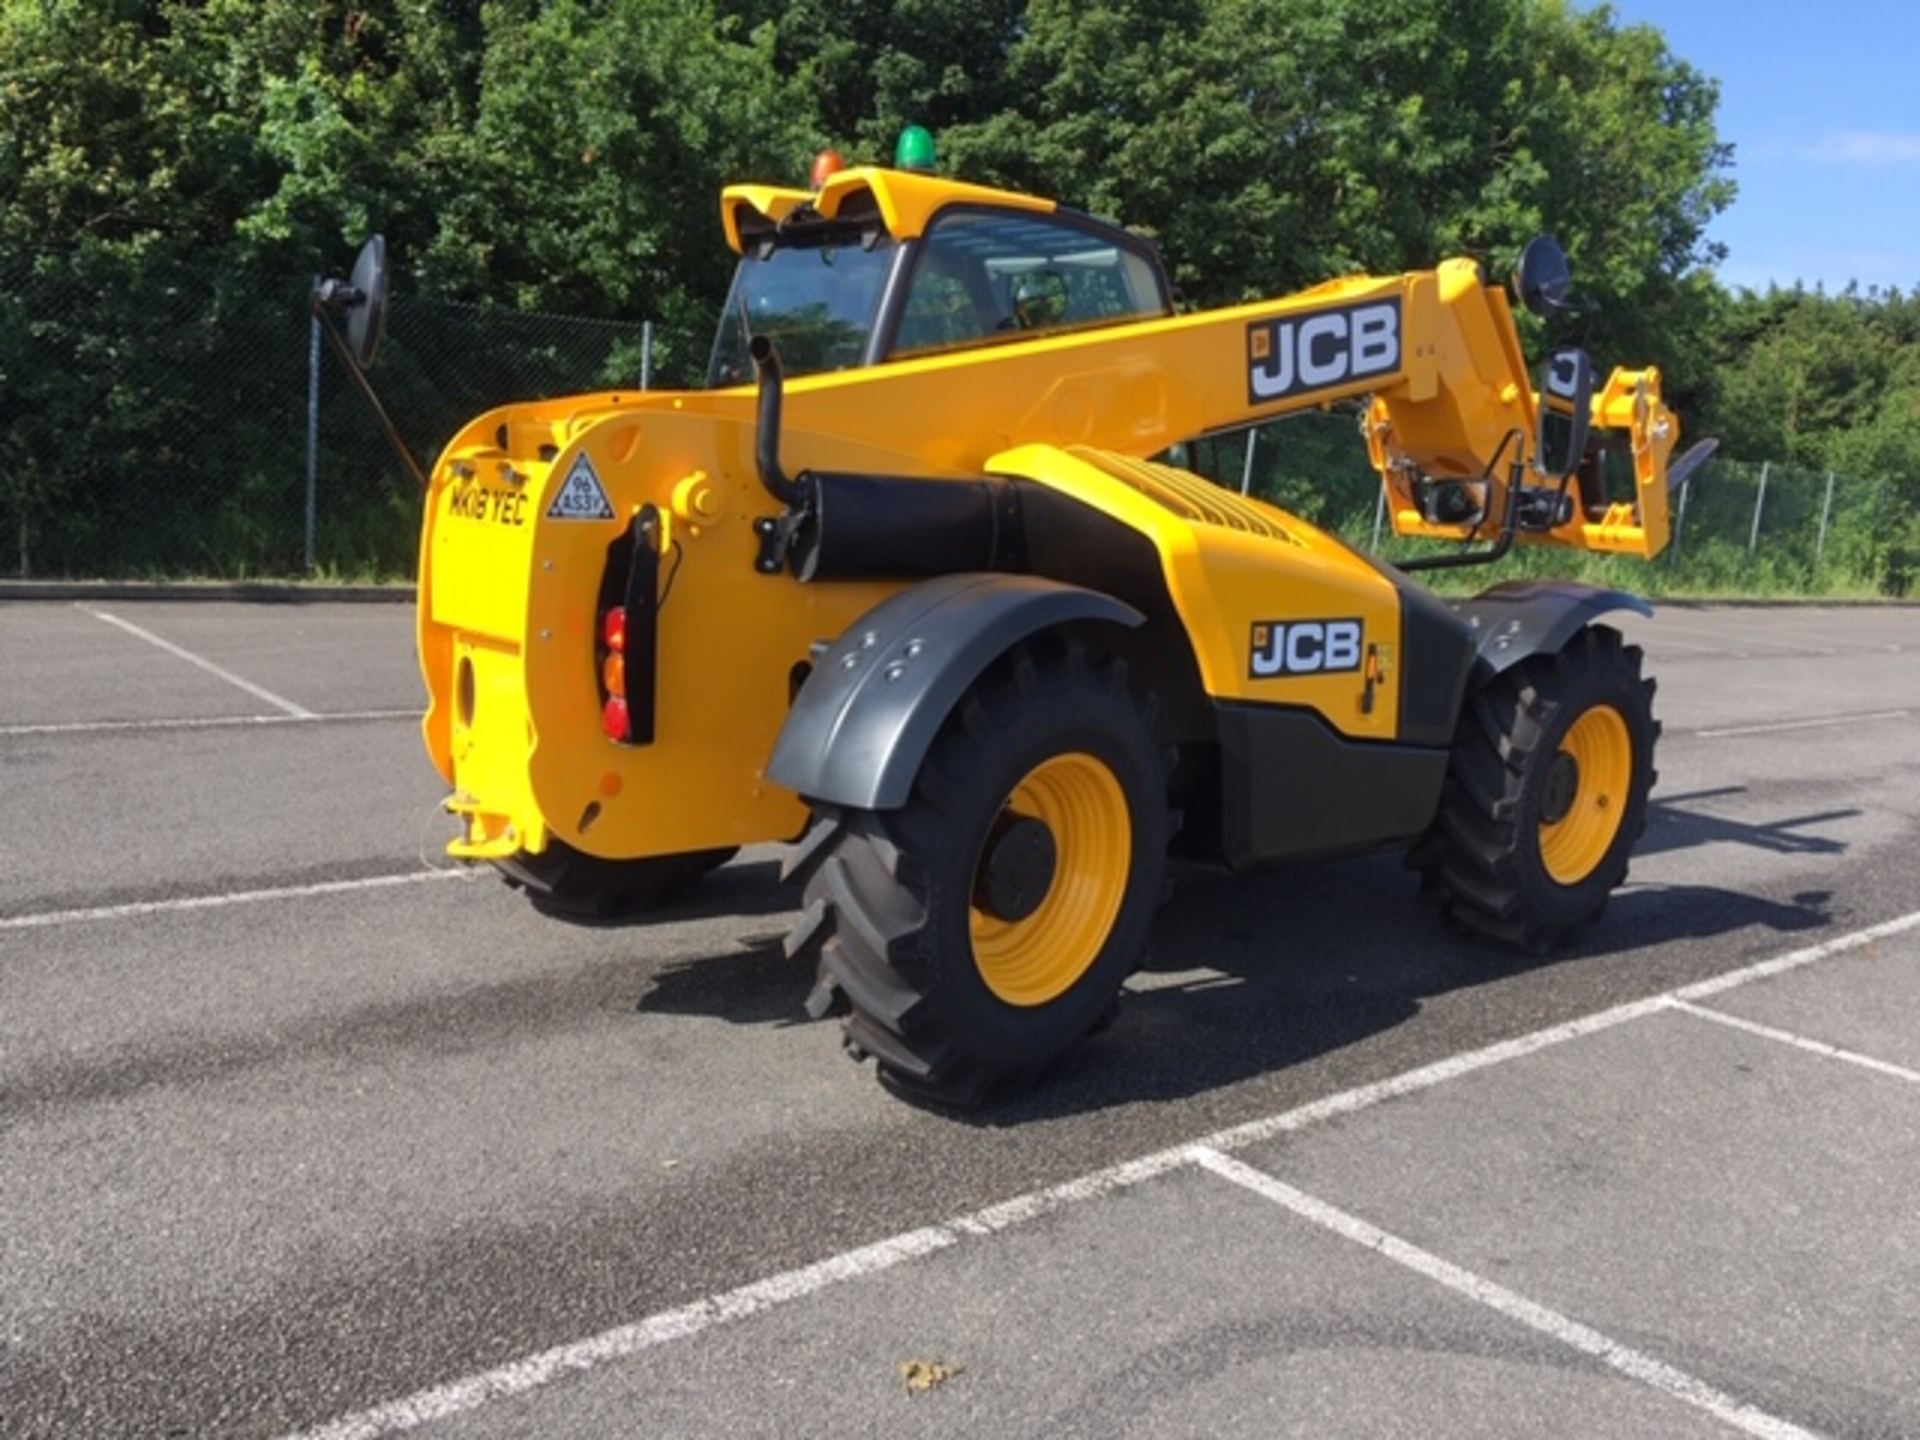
[[1588, 783], [1041, 955]]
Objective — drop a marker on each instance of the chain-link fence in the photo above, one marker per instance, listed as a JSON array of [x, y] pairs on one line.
[[1738, 528], [218, 437], [167, 428]]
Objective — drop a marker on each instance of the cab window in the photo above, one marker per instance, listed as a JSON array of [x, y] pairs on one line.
[[815, 296], [985, 276]]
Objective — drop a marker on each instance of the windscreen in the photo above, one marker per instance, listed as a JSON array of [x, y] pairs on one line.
[[814, 298]]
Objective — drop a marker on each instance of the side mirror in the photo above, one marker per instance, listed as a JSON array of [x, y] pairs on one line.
[[1566, 412], [1544, 278], [362, 299]]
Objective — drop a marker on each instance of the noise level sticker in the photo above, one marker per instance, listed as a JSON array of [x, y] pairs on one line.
[[582, 496]]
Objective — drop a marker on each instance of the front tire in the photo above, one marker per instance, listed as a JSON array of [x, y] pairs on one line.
[[1545, 795], [982, 930]]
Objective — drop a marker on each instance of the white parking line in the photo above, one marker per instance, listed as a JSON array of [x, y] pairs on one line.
[[279, 702], [477, 1390], [204, 722], [1551, 1323], [1781, 727], [1797, 959], [443, 1402], [137, 908], [1799, 1042]]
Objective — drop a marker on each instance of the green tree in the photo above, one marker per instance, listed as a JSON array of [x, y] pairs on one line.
[[1270, 144], [172, 162], [864, 69], [589, 179], [177, 171]]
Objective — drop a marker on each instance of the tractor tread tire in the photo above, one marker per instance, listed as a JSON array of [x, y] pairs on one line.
[[892, 946], [1480, 861]]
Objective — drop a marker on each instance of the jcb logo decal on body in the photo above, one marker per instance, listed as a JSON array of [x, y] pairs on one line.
[[1304, 647], [1321, 349]]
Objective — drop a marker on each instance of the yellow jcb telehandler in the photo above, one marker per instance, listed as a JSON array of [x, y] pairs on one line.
[[917, 585]]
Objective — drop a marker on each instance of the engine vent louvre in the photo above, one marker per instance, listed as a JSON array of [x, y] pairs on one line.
[[1186, 494]]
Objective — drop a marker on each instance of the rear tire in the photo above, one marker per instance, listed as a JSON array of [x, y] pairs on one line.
[[570, 884], [981, 931], [1546, 793]]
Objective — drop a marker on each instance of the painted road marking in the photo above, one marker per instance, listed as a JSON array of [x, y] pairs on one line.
[[139, 908], [1799, 1042], [279, 702], [473, 1392], [1781, 727], [206, 722], [1551, 1323], [443, 1402]]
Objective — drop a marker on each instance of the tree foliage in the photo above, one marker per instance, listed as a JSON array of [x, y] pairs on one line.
[[165, 158]]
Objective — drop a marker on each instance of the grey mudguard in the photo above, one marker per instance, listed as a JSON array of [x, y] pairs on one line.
[[863, 721], [1534, 617]]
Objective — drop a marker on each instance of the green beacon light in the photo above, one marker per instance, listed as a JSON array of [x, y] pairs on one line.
[[915, 150]]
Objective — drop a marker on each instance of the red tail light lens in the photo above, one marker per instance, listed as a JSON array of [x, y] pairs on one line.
[[615, 717], [615, 720]]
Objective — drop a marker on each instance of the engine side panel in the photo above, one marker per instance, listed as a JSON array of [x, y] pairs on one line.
[[1294, 789]]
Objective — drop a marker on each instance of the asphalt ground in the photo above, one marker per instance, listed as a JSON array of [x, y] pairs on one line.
[[303, 1132]]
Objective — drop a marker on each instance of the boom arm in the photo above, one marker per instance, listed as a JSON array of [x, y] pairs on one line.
[[1453, 421], [1455, 425]]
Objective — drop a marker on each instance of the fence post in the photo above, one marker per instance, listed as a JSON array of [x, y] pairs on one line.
[[313, 431], [1826, 509], [1759, 504], [1246, 469], [646, 355]]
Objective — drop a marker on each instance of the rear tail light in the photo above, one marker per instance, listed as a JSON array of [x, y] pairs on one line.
[[613, 629], [615, 718], [627, 639]]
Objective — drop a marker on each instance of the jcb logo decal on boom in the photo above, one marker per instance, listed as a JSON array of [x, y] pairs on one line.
[[1321, 349], [1304, 647]]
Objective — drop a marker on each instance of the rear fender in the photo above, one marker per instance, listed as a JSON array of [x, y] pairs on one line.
[[867, 714], [1523, 618]]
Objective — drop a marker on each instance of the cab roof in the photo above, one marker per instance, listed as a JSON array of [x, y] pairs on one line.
[[902, 201]]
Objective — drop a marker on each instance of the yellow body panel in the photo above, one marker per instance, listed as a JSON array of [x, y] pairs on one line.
[[906, 201], [1234, 565], [516, 600], [511, 579]]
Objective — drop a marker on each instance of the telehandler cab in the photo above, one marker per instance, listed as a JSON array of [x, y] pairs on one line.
[[913, 586]]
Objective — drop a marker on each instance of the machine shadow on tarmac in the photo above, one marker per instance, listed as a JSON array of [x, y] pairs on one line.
[[1251, 977], [1671, 825]]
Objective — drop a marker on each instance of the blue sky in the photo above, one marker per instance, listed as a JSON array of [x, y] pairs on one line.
[[1821, 103]]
